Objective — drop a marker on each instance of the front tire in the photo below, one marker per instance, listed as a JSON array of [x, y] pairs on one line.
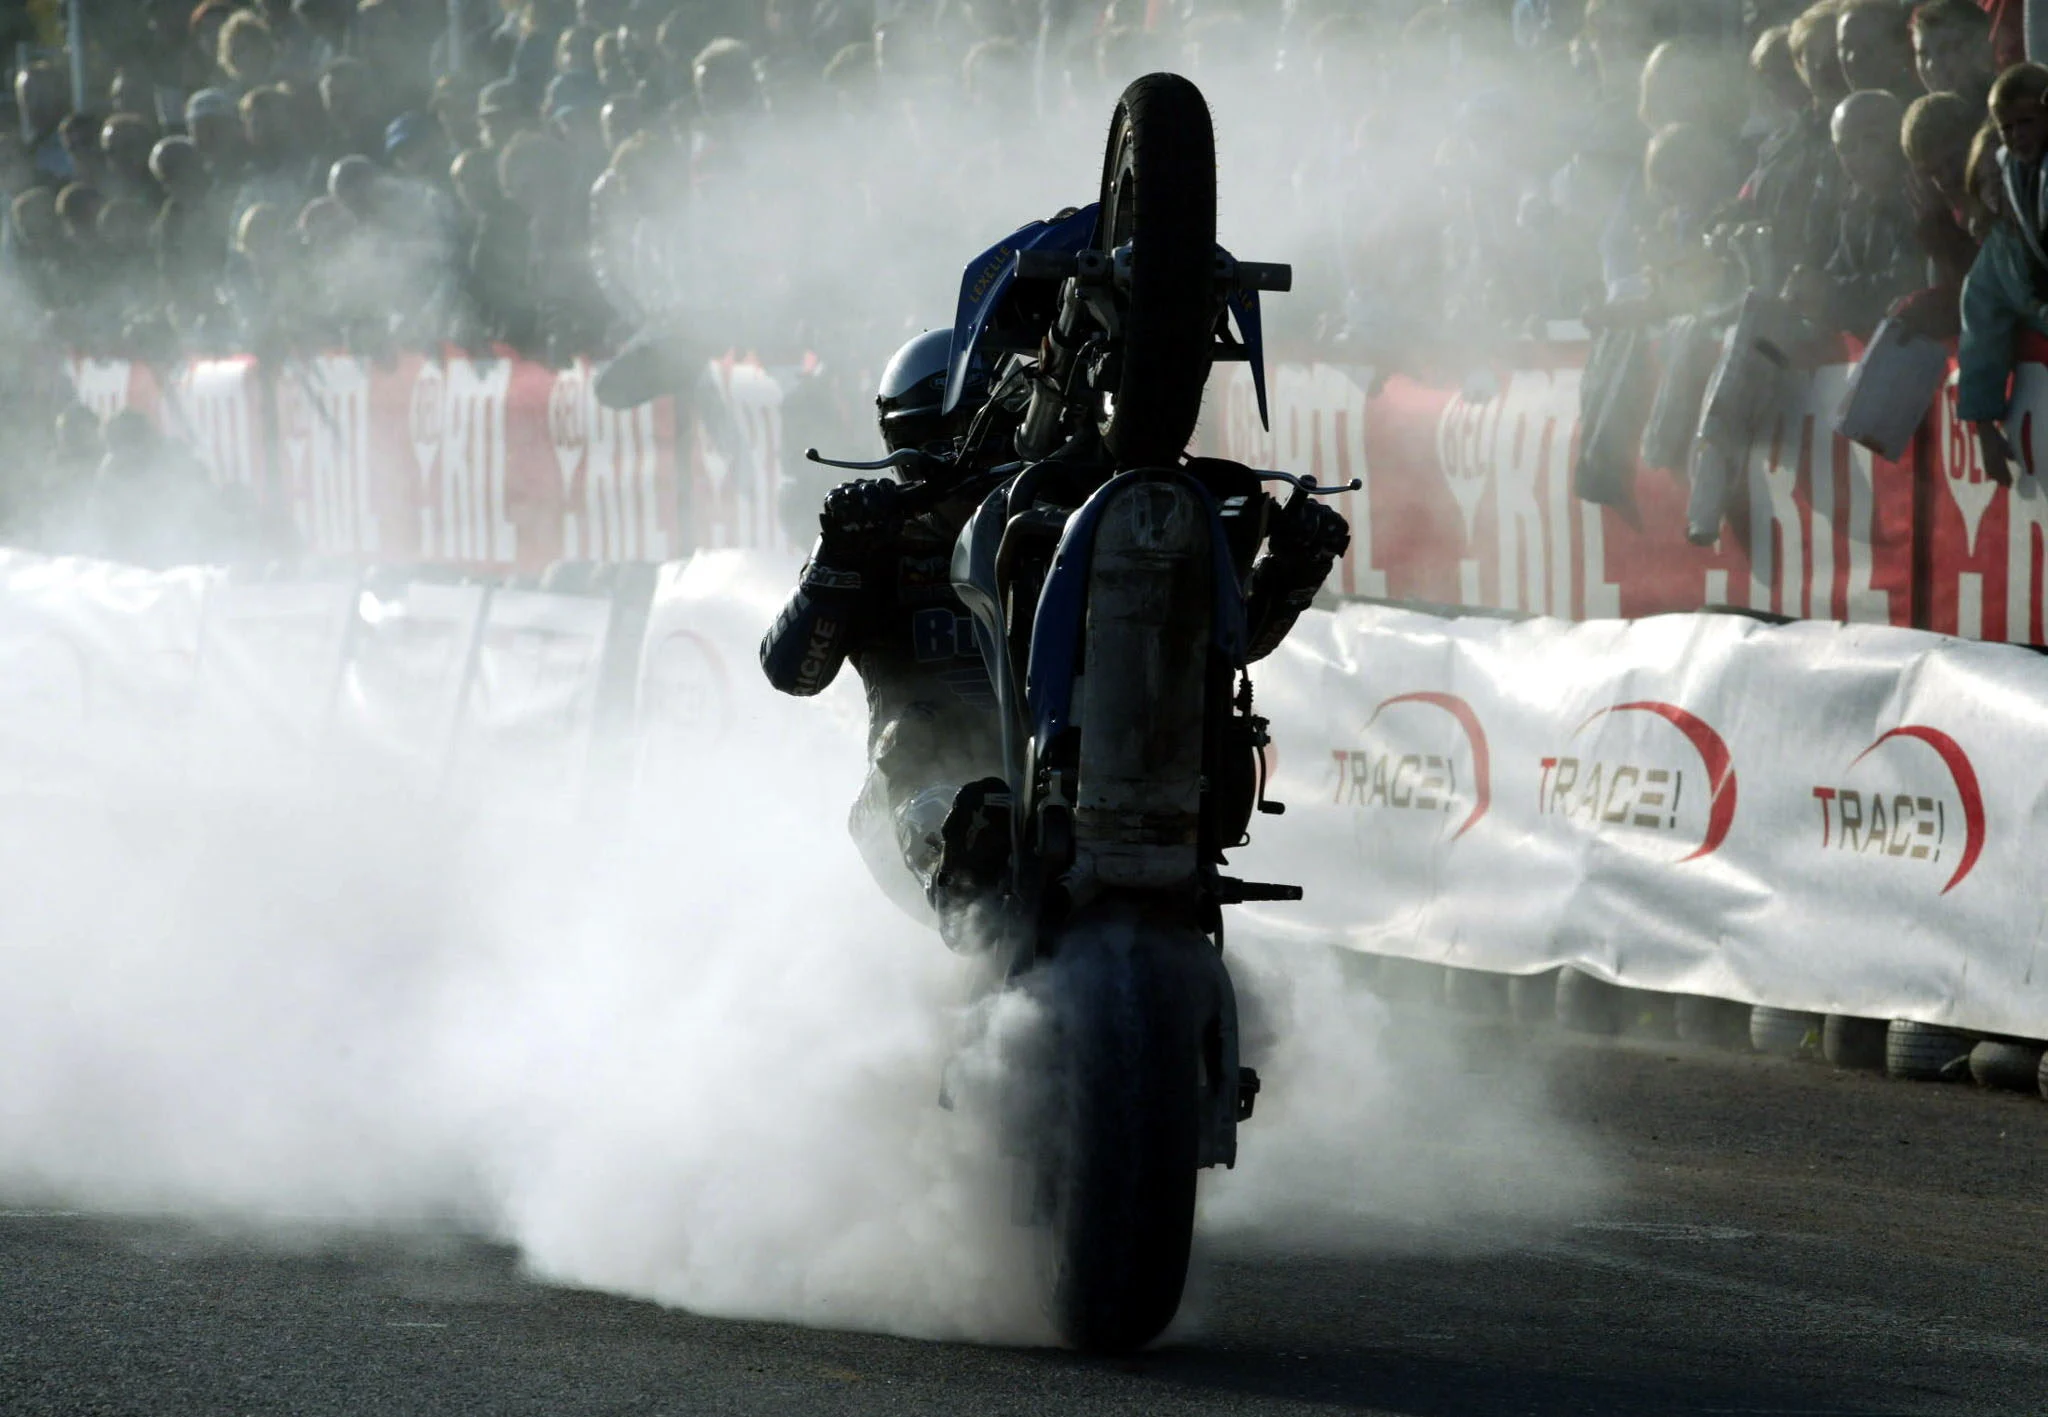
[[1159, 196]]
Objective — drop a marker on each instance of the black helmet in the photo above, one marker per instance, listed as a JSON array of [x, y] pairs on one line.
[[913, 393]]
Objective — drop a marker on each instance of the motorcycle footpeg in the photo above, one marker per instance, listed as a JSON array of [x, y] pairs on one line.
[[1231, 891], [1275, 276], [1247, 1093]]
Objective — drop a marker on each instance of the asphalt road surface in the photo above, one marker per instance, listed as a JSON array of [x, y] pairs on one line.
[[1786, 1239]]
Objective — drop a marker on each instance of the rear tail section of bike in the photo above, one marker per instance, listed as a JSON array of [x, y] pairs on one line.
[[1141, 695]]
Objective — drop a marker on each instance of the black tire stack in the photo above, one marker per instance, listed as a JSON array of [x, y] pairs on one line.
[[1925, 1052]]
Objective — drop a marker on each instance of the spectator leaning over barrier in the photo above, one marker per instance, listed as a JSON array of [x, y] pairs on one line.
[[499, 247], [1795, 189], [538, 177], [2000, 295], [1952, 50], [131, 296], [1936, 137], [1876, 259], [1691, 173], [189, 236]]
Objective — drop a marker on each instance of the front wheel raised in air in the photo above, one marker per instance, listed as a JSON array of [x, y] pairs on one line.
[[1159, 199], [1120, 1151]]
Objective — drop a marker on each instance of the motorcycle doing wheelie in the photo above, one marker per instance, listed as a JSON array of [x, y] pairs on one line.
[[1105, 575]]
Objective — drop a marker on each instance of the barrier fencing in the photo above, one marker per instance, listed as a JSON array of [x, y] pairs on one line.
[[1806, 816], [1627, 798], [503, 465]]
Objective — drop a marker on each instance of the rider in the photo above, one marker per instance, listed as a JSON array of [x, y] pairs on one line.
[[878, 590]]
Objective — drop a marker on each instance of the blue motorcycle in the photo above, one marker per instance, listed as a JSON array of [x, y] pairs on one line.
[[1105, 571]]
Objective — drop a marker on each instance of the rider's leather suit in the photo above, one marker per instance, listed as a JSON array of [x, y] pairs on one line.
[[932, 723]]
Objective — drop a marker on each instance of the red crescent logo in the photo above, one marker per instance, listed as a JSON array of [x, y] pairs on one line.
[[1714, 755], [1958, 764], [1482, 760]]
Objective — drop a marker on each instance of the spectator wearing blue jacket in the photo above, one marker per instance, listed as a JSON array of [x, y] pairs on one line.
[[2003, 290]]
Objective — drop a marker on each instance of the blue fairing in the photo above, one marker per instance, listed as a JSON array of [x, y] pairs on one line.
[[1244, 308], [1063, 604], [990, 276]]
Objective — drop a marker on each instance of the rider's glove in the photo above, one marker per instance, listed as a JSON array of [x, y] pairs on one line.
[[1308, 529], [859, 518]]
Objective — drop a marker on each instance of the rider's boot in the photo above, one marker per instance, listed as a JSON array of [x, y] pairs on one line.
[[974, 856]]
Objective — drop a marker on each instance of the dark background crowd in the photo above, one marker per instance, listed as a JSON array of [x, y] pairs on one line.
[[805, 179]]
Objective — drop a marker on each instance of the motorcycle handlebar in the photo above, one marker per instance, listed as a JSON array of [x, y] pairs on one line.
[[927, 476]]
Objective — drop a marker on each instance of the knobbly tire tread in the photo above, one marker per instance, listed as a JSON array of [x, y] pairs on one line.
[[1708, 1022], [1925, 1052], [1783, 1033], [1849, 1042], [1124, 1168], [1169, 321]]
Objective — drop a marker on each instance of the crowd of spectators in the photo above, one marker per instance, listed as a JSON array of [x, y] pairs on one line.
[[806, 178]]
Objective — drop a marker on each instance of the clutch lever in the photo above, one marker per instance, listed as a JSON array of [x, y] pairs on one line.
[[900, 460], [1308, 486], [920, 467]]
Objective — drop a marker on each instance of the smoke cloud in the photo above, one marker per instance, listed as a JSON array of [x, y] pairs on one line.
[[673, 1044]]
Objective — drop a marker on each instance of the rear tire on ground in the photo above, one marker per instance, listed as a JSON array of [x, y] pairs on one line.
[[1589, 1005], [1712, 1023], [2010, 1066], [1159, 194], [1849, 1042], [1783, 1033], [1125, 1128], [1925, 1052]]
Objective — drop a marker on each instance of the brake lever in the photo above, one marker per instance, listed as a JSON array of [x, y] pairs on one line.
[[895, 462], [1308, 486], [925, 488]]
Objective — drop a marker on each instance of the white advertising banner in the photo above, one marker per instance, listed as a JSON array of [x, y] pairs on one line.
[[100, 664], [409, 662], [533, 691], [700, 690], [270, 662], [1814, 816]]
